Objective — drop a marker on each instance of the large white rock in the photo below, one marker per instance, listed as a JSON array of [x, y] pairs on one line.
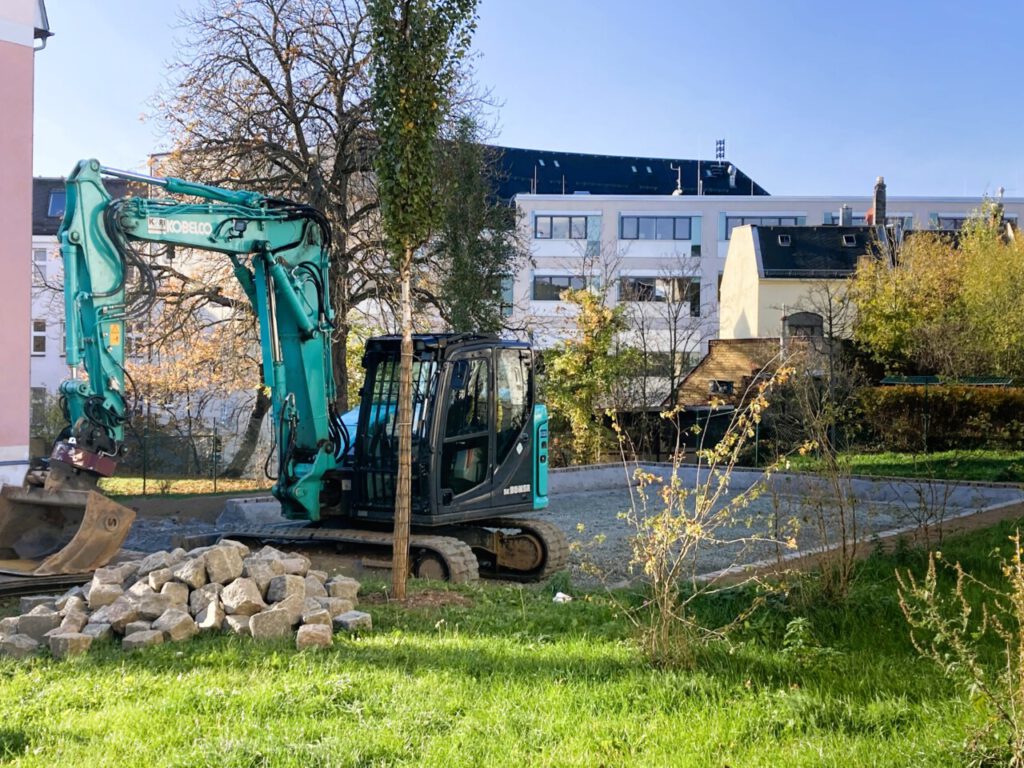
[[211, 617], [239, 625], [26, 604], [353, 620], [191, 572], [336, 605], [317, 617], [343, 587], [293, 605], [281, 587], [261, 570], [73, 621], [176, 592], [201, 597], [18, 646], [37, 622], [296, 564], [102, 593], [315, 587], [141, 589], [9, 625], [152, 605], [69, 644], [120, 613], [268, 552], [272, 624], [314, 636], [142, 639], [98, 631], [158, 577], [157, 561], [223, 564], [242, 597], [176, 624], [320, 576], [140, 625], [74, 604], [110, 574], [74, 592], [243, 549]]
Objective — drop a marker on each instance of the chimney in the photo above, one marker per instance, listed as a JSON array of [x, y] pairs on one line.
[[878, 204], [845, 216]]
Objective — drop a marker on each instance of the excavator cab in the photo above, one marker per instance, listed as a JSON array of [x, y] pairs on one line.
[[479, 439]]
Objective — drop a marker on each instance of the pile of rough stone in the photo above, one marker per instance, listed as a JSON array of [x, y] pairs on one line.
[[173, 596]]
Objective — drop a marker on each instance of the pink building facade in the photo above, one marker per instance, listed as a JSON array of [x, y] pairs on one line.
[[23, 29]]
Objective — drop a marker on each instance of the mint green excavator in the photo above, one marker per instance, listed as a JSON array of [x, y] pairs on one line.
[[479, 437]]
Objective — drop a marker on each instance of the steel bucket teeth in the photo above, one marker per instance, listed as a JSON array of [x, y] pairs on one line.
[[57, 531]]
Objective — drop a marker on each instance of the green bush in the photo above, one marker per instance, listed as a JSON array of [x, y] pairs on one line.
[[905, 418]]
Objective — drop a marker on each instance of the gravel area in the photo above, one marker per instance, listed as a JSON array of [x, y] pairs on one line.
[[589, 505]]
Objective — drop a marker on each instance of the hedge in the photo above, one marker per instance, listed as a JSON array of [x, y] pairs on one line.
[[940, 417]]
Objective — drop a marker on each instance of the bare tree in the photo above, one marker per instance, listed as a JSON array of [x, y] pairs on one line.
[[273, 95]]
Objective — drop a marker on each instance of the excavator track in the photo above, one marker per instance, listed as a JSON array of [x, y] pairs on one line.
[[553, 544], [431, 556]]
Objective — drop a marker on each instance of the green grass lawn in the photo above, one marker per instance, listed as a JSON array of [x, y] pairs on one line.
[[504, 677], [989, 466]]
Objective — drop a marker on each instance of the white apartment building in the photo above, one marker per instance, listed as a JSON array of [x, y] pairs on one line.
[[651, 248]]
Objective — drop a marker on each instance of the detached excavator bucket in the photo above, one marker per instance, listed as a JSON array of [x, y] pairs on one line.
[[44, 532]]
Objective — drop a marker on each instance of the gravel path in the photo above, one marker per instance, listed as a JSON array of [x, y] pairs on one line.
[[592, 518]]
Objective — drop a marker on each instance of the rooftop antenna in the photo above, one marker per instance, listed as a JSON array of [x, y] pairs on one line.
[[679, 178]]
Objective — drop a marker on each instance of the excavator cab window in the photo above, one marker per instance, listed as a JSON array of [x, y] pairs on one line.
[[513, 398], [465, 462]]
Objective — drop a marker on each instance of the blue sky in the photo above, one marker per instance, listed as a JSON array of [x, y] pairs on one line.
[[811, 97]]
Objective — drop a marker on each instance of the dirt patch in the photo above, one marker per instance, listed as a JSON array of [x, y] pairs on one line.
[[431, 599]]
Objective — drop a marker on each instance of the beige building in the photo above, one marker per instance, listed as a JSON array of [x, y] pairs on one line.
[[790, 281]]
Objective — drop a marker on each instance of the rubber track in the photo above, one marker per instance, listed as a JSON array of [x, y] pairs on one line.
[[457, 555], [556, 545], [17, 586]]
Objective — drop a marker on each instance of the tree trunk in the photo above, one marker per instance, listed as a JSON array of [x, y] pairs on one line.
[[403, 486], [250, 437], [340, 358]]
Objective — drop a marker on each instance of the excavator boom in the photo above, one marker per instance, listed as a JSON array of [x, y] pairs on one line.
[[279, 253]]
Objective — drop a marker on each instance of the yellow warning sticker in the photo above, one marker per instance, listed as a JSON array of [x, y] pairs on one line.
[[115, 335]]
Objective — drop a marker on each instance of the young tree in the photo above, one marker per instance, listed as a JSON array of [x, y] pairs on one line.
[[417, 46], [477, 244]]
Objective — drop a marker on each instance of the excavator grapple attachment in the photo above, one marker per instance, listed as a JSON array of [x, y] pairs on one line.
[[48, 531]]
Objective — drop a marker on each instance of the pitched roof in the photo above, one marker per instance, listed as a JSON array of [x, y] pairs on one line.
[[732, 361], [543, 172], [820, 252]]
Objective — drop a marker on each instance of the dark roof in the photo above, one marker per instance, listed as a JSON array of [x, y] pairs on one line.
[[536, 171], [43, 187], [813, 252]]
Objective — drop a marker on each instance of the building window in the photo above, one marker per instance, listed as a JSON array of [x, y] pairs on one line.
[[560, 227], [507, 296], [674, 289], [860, 220], [655, 228], [551, 287], [951, 222], [38, 337], [56, 207], [38, 266], [731, 222]]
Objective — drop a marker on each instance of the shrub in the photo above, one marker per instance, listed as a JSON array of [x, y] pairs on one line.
[[911, 418]]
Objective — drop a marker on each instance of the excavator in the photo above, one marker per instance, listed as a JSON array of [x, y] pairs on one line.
[[479, 438]]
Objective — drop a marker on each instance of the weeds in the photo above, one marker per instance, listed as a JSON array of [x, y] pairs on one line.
[[947, 629]]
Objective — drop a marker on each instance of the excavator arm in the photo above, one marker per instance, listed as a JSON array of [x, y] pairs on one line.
[[279, 254]]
